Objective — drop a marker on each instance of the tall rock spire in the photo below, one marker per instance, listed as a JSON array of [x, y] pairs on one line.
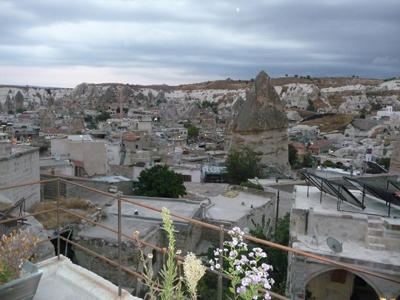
[[261, 124], [262, 109]]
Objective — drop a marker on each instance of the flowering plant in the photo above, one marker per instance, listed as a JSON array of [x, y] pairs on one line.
[[15, 249], [248, 277], [170, 274]]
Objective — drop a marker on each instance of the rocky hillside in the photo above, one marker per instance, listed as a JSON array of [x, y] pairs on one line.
[[304, 95]]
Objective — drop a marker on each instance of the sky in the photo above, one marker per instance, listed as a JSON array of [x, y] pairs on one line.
[[58, 43]]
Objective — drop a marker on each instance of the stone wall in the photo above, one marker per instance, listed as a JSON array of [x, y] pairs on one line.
[[72, 191], [130, 258], [19, 168], [122, 170]]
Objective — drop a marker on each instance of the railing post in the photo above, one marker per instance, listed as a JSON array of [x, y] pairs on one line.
[[119, 247], [58, 220], [221, 246]]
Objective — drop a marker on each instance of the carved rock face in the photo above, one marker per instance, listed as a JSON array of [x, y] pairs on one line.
[[262, 109], [261, 123]]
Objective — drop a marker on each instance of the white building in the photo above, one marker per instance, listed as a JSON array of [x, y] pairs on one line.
[[82, 148]]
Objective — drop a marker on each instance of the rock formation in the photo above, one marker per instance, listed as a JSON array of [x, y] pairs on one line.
[[395, 159], [261, 124]]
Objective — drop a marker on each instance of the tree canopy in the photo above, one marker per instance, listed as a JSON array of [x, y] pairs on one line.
[[193, 131], [293, 156], [103, 116], [160, 181], [276, 257], [242, 165]]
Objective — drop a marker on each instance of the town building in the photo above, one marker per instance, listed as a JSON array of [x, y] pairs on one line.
[[82, 148], [338, 222], [19, 164]]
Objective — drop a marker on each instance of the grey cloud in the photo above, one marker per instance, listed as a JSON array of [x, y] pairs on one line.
[[205, 38]]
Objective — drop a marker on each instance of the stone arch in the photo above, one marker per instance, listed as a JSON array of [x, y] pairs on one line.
[[335, 280]]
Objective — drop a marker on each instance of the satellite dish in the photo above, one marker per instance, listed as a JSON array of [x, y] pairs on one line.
[[315, 235], [334, 244], [57, 156], [246, 230]]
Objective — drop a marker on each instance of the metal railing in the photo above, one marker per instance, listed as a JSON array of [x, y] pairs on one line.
[[120, 199]]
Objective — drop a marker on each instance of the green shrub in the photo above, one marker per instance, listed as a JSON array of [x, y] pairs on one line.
[[251, 185]]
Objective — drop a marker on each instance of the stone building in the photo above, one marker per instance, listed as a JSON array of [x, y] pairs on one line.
[[343, 231], [82, 148], [18, 165], [261, 124]]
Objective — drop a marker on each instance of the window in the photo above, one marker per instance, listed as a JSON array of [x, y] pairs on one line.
[[187, 178]]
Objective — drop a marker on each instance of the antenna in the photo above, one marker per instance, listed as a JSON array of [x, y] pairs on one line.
[[334, 245]]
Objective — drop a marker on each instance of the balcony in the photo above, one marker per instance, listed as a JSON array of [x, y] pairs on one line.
[[112, 236]]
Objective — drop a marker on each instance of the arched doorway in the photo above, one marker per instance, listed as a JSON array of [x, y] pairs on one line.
[[339, 284]]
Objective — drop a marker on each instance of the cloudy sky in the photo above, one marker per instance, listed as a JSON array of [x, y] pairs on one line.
[[63, 43]]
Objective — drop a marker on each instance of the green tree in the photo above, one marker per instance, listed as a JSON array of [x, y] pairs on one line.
[[384, 161], [328, 163], [193, 131], [20, 110], [310, 106], [242, 165], [275, 257], [103, 116], [306, 159], [293, 155], [160, 181], [159, 101]]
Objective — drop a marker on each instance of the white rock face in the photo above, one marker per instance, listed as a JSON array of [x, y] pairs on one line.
[[354, 97], [293, 95]]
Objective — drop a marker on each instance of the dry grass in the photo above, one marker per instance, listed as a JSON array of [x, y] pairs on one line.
[[5, 205], [325, 82], [330, 123], [49, 220], [390, 139]]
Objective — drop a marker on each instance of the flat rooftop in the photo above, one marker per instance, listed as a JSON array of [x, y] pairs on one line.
[[232, 209], [145, 221], [348, 226], [63, 280]]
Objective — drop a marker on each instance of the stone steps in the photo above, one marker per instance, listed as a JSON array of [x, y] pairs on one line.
[[379, 247], [374, 233]]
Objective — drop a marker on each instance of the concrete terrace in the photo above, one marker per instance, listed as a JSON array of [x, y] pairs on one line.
[[348, 226], [64, 280]]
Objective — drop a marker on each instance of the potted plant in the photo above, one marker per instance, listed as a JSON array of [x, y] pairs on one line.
[[19, 277]]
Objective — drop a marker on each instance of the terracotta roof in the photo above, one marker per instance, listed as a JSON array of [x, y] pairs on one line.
[[297, 145], [319, 144], [131, 138], [78, 163]]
